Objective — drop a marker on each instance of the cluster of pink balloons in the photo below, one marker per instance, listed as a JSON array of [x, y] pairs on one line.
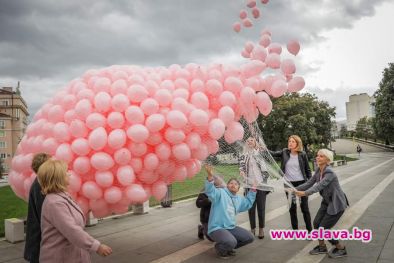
[[243, 15], [127, 132]]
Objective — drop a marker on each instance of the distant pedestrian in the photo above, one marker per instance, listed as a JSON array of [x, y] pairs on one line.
[[33, 223], [333, 205], [359, 149], [222, 227], [62, 220]]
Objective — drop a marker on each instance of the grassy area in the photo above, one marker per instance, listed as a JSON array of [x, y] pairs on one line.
[[11, 206]]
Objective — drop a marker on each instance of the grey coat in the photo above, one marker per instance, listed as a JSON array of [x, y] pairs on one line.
[[329, 189]]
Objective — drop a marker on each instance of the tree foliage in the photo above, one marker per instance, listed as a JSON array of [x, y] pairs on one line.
[[384, 106], [301, 114], [364, 128]]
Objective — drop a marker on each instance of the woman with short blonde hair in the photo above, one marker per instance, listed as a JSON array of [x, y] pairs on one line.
[[62, 220], [333, 205]]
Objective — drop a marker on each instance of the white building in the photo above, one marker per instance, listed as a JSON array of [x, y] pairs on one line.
[[359, 106]]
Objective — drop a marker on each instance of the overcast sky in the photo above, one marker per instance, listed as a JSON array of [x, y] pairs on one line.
[[345, 45]]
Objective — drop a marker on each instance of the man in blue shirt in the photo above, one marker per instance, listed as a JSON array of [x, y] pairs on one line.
[[225, 205]]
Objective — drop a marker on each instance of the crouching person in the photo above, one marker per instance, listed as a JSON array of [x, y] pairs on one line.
[[225, 205]]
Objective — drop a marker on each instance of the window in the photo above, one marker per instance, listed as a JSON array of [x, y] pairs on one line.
[[2, 133], [2, 124], [3, 145], [4, 102], [3, 155], [18, 113]]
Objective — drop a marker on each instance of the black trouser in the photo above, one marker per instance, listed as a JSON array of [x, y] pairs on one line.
[[304, 210], [326, 221], [260, 204]]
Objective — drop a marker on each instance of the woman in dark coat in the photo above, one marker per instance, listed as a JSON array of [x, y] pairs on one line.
[[296, 168]]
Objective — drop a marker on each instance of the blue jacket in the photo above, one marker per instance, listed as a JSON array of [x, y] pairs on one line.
[[225, 206]]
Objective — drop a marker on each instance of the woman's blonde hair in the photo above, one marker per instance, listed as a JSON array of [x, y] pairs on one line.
[[298, 140], [328, 154], [52, 176]]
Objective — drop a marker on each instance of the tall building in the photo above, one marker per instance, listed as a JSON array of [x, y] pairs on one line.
[[359, 106], [13, 123]]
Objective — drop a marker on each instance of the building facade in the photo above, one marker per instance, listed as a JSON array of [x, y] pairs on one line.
[[13, 122], [359, 106]]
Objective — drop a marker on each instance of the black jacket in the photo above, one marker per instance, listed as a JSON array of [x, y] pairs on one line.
[[33, 226], [205, 204], [302, 160]]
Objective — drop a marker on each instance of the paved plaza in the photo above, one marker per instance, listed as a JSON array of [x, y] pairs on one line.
[[170, 234]]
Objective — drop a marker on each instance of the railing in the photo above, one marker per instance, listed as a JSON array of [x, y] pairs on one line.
[[377, 144]]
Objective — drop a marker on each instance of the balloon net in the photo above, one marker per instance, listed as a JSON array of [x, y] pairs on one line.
[[249, 161]]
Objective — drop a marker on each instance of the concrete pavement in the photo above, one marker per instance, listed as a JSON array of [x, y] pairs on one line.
[[170, 234]]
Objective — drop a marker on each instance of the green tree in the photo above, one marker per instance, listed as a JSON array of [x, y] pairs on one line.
[[301, 114], [384, 106], [364, 128], [343, 131]]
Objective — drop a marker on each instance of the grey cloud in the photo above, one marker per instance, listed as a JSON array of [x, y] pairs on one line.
[[59, 40]]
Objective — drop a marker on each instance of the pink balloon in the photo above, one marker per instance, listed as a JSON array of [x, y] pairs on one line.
[[181, 152], [227, 98], [273, 60], [125, 175], [259, 53], [237, 27], [279, 87], [117, 139], [293, 47], [104, 178], [101, 161], [91, 190], [151, 161], [247, 22], [74, 181], [181, 93], [115, 120], [198, 118], [265, 40], [159, 190], [296, 84], [226, 114], [112, 195], [102, 84], [98, 139], [95, 120], [136, 164], [137, 149], [122, 156], [201, 153], [176, 119], [80, 146], [193, 140], [50, 145], [150, 106], [56, 114], [174, 136], [243, 14], [64, 153], [200, 100], [120, 102], [134, 115], [81, 165], [102, 102], [256, 12], [197, 85], [245, 54], [154, 139], [214, 87], [180, 173], [163, 97], [78, 129], [275, 48], [61, 132], [234, 132], [163, 151], [264, 1], [288, 67], [248, 95], [138, 133], [83, 108], [216, 129], [119, 87], [136, 194], [251, 3], [137, 93], [148, 177], [253, 68]]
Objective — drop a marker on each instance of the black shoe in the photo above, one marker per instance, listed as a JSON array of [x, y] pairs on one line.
[[337, 253], [223, 255], [232, 253], [318, 250], [200, 232]]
